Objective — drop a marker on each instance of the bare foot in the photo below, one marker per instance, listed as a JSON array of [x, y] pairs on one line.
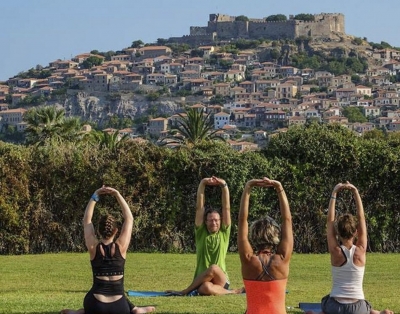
[[68, 311], [143, 309], [239, 291], [381, 312]]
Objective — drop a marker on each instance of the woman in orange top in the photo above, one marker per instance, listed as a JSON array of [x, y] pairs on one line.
[[265, 258]]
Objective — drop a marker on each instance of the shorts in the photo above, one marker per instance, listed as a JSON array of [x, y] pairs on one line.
[[331, 306], [94, 306], [195, 293]]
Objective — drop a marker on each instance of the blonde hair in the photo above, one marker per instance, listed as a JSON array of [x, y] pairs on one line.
[[264, 233]]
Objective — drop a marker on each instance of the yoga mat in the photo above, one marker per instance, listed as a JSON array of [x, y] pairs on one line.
[[134, 293], [316, 307]]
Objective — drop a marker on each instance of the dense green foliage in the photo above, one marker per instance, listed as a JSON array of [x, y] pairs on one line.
[[30, 100], [91, 62], [193, 127], [242, 18], [334, 64], [107, 55], [50, 124], [44, 189], [276, 18], [38, 73], [305, 17], [243, 44], [354, 114]]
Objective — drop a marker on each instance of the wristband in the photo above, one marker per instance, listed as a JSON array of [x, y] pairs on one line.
[[95, 197], [280, 191], [332, 197], [224, 185]]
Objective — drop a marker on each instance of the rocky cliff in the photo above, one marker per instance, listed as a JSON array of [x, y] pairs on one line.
[[99, 106]]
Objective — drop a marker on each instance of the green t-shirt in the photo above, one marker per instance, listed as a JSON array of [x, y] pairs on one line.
[[211, 248]]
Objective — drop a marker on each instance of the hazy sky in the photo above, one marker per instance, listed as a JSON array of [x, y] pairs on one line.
[[36, 32]]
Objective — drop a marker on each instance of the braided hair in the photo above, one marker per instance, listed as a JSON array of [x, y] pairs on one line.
[[107, 226]]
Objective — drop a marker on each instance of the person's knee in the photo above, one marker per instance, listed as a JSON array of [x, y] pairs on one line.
[[205, 288], [214, 269]]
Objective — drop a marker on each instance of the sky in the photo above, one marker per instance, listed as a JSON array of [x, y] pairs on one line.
[[37, 32]]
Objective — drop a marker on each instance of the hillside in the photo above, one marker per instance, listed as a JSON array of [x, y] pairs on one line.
[[343, 46]]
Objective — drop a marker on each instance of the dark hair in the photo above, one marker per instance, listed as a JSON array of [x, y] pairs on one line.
[[107, 226], [346, 226], [211, 210], [264, 233]]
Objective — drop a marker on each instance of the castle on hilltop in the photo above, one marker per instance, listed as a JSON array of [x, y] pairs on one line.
[[225, 27]]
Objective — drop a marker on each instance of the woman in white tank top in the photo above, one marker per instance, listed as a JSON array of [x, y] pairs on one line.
[[347, 258]]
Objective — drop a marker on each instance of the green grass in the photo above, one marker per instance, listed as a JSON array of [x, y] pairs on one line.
[[45, 284]]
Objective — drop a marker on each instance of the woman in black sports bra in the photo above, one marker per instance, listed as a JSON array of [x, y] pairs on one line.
[[107, 258]]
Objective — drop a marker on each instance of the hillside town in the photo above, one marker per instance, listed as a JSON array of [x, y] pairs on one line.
[[259, 98]]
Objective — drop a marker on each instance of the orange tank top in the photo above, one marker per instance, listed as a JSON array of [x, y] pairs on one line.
[[265, 296]]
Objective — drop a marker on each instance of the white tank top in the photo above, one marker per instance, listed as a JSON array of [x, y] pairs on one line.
[[347, 280]]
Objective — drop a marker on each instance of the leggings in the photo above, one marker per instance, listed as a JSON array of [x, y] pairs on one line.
[[94, 306]]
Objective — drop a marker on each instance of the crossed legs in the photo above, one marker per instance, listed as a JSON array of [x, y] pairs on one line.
[[211, 282]]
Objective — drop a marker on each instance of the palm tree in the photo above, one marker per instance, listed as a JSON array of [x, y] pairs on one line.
[[107, 140], [193, 128], [49, 123]]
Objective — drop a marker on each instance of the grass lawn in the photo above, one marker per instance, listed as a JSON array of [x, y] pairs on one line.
[[45, 284]]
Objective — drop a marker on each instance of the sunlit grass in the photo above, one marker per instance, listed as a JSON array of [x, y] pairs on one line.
[[47, 283]]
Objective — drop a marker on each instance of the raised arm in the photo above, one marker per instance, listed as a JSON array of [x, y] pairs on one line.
[[285, 246], [88, 229], [126, 231], [226, 204], [226, 207], [199, 219], [333, 245], [362, 226], [244, 246]]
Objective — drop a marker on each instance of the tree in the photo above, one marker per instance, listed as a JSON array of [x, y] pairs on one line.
[[161, 41], [276, 18], [217, 100], [193, 128], [242, 18], [225, 64], [178, 48], [357, 41], [274, 54], [356, 79], [105, 140], [305, 17], [49, 123], [91, 62], [153, 96], [197, 53], [354, 114], [137, 44], [374, 134]]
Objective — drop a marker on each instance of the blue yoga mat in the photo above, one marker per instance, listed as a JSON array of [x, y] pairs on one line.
[[134, 293], [316, 307]]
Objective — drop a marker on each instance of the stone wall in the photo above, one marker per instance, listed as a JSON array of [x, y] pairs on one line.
[[273, 30], [198, 30], [228, 30], [204, 39], [226, 27]]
